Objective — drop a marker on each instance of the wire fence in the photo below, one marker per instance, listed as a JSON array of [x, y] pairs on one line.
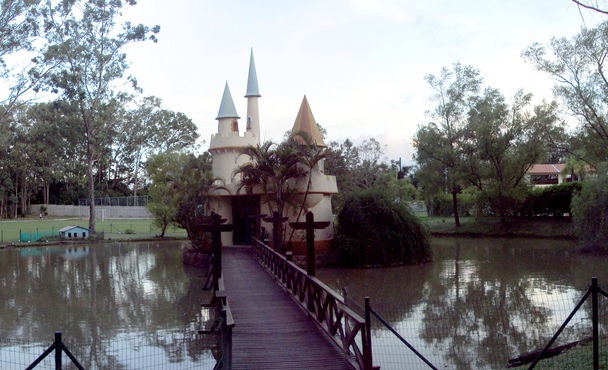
[[118, 230], [489, 328], [182, 350], [139, 201]]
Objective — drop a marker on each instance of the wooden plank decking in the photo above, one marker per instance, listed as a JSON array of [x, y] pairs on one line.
[[271, 331]]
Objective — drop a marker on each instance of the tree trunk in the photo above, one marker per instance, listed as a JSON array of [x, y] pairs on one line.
[[90, 178], [455, 205]]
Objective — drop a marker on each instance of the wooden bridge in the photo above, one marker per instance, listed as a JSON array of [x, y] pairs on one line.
[[284, 318]]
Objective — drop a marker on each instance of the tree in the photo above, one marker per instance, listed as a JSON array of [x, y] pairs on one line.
[[87, 49], [439, 141], [591, 5], [357, 168], [164, 170], [590, 213], [19, 27], [270, 169], [501, 143], [578, 64], [195, 203], [359, 241]]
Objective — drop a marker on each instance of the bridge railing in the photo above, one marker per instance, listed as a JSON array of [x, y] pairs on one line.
[[225, 326], [345, 327]]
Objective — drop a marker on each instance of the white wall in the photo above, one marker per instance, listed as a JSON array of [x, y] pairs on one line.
[[100, 211]]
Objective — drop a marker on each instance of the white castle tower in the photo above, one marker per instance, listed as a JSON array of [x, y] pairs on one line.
[[242, 209]]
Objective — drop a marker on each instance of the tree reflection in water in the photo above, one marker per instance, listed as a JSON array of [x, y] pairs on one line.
[[478, 304], [107, 300]]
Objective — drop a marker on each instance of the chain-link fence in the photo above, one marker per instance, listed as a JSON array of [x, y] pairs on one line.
[[139, 201], [491, 329], [155, 350]]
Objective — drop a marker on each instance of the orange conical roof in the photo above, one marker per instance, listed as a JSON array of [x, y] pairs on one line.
[[305, 122]]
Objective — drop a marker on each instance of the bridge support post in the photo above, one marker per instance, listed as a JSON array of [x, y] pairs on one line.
[[216, 228], [277, 226], [310, 226]]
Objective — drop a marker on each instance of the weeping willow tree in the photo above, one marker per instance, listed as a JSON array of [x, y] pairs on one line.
[[375, 231]]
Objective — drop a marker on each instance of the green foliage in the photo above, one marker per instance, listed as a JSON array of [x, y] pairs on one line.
[[442, 205], [86, 48], [357, 168], [578, 65], [438, 144], [375, 231], [552, 200], [590, 213], [163, 170]]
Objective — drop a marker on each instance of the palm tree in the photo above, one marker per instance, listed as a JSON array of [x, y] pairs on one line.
[[309, 155], [277, 171], [269, 169]]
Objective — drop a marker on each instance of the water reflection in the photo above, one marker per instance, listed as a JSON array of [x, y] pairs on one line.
[[481, 301], [137, 294]]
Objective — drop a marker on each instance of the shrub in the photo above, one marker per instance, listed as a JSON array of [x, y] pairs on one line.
[[590, 213], [441, 205], [375, 231], [552, 200]]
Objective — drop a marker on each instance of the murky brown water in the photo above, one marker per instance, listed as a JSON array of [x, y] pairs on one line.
[[133, 306], [119, 306], [478, 304]]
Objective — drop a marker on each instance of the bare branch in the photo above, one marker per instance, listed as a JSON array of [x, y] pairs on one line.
[[579, 3]]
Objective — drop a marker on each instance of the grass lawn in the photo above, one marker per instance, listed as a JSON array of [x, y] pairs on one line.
[[122, 228], [579, 357], [547, 227]]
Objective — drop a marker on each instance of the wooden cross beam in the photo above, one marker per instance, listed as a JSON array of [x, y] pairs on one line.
[[310, 226], [216, 228], [277, 226]]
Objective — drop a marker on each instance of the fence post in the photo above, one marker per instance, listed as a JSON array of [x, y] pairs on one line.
[[367, 341], [595, 315], [226, 341], [58, 345]]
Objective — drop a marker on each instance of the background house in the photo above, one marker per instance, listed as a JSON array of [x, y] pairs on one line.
[[74, 232], [547, 174]]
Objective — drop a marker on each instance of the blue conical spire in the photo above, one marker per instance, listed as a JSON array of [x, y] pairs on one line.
[[227, 108], [252, 80]]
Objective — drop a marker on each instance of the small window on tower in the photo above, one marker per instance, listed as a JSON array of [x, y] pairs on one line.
[[235, 126]]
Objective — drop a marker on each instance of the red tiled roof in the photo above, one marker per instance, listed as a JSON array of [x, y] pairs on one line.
[[546, 169]]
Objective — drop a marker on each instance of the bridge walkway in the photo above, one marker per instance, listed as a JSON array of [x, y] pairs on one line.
[[271, 330]]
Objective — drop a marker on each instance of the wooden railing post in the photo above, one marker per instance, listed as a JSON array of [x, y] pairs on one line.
[[226, 342], [367, 340]]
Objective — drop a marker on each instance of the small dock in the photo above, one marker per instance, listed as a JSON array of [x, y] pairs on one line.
[[272, 331]]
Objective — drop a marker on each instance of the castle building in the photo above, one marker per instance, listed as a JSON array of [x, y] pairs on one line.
[[242, 208]]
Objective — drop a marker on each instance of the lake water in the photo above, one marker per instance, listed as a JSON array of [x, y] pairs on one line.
[[478, 304], [134, 306], [119, 306]]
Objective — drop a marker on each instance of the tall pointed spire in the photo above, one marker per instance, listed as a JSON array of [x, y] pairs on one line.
[[305, 122], [252, 79], [227, 108]]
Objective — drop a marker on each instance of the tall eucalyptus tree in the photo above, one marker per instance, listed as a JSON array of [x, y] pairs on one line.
[[439, 142], [88, 50]]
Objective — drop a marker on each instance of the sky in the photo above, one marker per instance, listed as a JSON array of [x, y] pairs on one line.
[[361, 64]]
